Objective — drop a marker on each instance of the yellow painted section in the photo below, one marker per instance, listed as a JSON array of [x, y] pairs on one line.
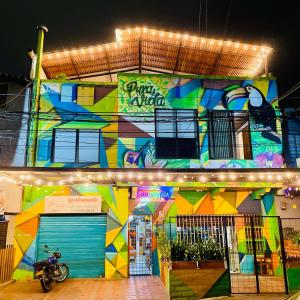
[[85, 95]]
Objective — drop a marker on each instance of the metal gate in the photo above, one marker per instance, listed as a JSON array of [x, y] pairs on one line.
[[81, 240], [291, 238], [253, 248]]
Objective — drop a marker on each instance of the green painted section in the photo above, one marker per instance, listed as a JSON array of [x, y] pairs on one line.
[[85, 125], [293, 279], [221, 288]]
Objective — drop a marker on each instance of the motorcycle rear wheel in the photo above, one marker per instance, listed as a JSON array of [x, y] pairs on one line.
[[64, 273], [46, 281]]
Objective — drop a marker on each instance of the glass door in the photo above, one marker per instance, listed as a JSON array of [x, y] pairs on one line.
[[140, 244]]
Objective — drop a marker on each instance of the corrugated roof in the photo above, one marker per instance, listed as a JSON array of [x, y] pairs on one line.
[[148, 50]]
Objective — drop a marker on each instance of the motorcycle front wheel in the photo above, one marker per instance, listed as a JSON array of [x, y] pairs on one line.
[[64, 273], [46, 281]]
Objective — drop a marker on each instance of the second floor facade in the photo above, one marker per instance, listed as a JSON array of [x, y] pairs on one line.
[[158, 121]]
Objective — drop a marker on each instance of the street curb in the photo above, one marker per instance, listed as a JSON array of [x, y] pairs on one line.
[[5, 284]]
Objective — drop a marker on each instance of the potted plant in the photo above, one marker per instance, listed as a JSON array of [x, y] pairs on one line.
[[211, 253], [184, 255]]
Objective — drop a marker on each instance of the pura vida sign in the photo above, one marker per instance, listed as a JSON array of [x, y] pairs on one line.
[[143, 95]]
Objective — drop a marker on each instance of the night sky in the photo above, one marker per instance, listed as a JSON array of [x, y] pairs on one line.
[[82, 23]]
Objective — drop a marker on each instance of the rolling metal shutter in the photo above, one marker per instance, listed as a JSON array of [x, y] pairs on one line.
[[80, 239]]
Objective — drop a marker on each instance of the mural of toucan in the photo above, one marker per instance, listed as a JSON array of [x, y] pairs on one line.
[[259, 108]]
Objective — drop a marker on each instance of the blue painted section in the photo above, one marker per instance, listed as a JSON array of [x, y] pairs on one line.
[[68, 92], [80, 239], [211, 98], [268, 201], [44, 149], [247, 265]]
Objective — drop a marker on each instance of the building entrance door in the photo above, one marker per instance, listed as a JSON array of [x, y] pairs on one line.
[[140, 244]]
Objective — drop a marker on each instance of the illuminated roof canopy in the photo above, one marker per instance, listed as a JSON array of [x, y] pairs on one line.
[[147, 50]]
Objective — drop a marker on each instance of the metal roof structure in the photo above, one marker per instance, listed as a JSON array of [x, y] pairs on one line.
[[147, 50]]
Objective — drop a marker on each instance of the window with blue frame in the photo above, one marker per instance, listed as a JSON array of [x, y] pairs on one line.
[[176, 134], [76, 146]]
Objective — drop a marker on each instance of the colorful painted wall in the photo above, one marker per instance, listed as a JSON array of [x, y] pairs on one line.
[[114, 203], [124, 116], [165, 203]]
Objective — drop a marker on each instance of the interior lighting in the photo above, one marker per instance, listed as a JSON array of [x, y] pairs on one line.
[[232, 176], [168, 177], [140, 176], [203, 178], [150, 176], [269, 176], [120, 176], [130, 175], [38, 182], [49, 56], [159, 174], [222, 176], [279, 177], [50, 183], [261, 176], [108, 174], [288, 175], [82, 50], [251, 177], [180, 179], [254, 48]]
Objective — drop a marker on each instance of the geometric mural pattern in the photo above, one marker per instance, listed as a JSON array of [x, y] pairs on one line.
[[123, 113]]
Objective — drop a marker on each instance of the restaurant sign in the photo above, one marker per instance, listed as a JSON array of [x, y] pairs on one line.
[[72, 204]]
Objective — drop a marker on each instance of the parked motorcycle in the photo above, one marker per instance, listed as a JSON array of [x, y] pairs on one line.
[[50, 270]]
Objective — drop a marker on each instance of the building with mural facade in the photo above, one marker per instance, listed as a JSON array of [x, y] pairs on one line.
[[118, 149]]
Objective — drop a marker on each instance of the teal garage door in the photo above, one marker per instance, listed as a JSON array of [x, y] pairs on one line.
[[80, 239]]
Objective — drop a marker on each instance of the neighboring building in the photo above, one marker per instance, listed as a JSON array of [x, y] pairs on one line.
[[133, 149], [14, 121], [14, 113]]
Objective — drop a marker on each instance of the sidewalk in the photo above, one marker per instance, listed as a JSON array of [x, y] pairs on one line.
[[134, 288]]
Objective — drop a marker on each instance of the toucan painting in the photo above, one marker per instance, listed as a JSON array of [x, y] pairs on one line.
[[260, 110]]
